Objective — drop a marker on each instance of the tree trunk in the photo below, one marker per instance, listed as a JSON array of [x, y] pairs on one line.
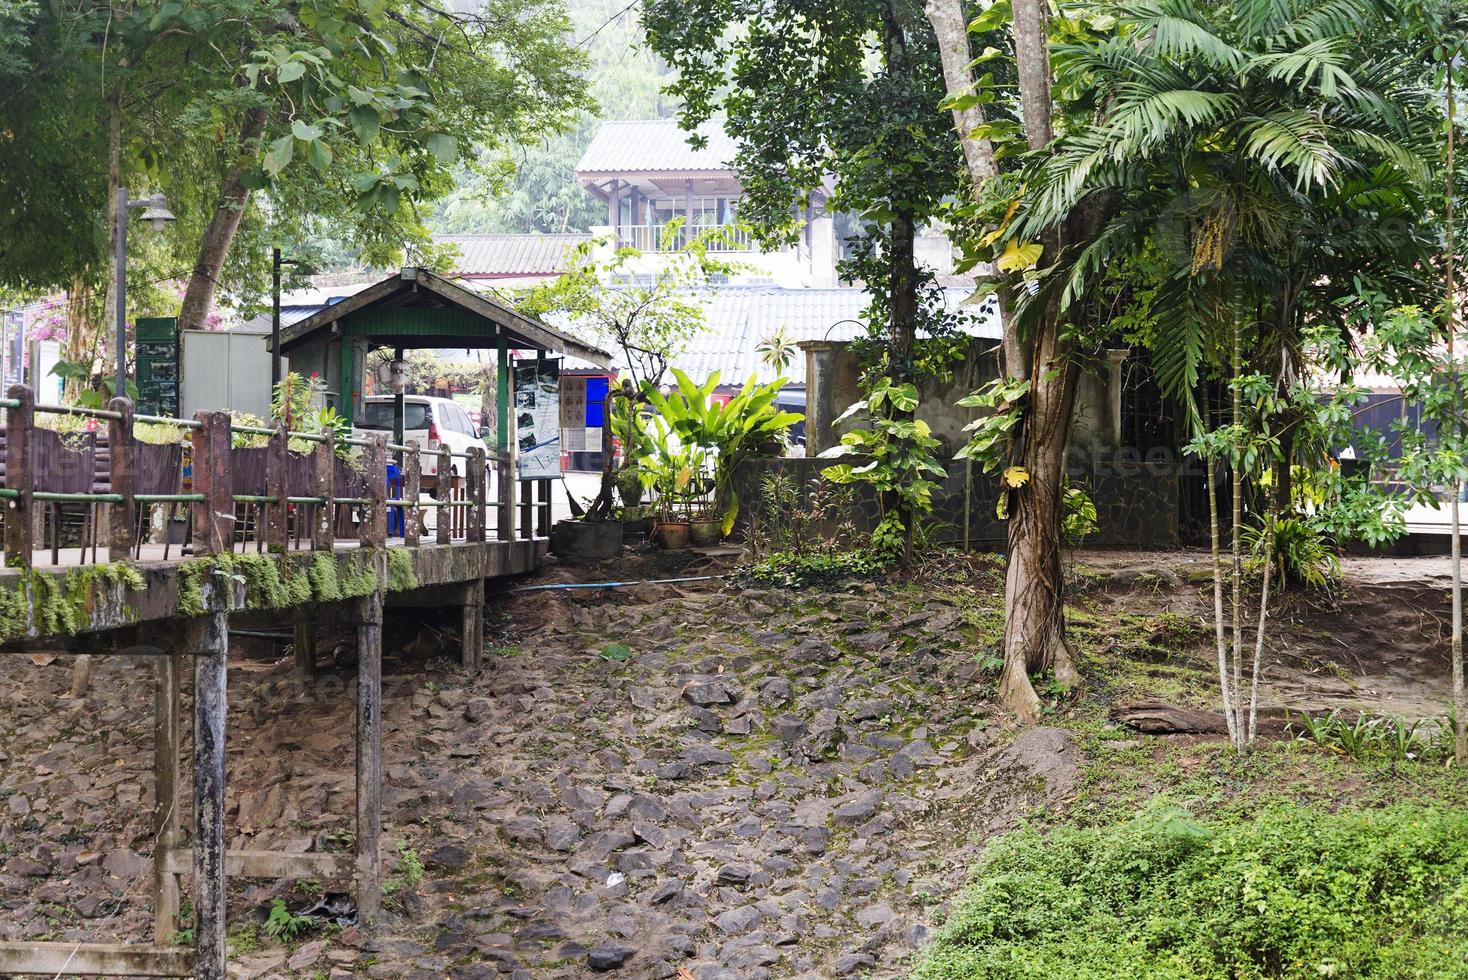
[[950, 30], [1460, 695], [1034, 587], [114, 187], [198, 297]]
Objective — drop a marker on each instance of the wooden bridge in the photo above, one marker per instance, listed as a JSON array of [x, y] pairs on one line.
[[272, 520]]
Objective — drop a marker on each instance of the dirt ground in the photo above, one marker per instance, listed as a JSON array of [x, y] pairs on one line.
[[727, 781]]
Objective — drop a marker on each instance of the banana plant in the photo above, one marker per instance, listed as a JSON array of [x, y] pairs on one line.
[[731, 431]]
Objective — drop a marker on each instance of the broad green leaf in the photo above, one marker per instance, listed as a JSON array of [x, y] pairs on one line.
[[290, 72], [278, 157], [444, 147]]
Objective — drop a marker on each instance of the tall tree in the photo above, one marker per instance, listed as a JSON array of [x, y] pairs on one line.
[[833, 92]]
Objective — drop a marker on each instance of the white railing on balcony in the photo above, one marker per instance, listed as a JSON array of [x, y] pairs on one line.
[[662, 238]]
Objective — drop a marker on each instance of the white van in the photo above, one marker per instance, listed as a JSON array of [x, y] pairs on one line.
[[428, 423]]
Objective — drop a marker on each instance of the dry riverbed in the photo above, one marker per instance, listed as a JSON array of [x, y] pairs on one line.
[[705, 778]]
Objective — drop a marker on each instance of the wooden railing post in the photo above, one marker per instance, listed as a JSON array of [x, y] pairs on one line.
[[412, 482], [374, 512], [323, 532], [444, 534], [543, 509], [122, 527], [166, 817], [18, 477], [277, 521], [475, 491], [214, 516], [505, 477]]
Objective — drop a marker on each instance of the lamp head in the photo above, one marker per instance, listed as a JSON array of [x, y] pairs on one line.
[[157, 214]]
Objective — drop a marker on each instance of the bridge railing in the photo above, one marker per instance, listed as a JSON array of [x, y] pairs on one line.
[[247, 486]]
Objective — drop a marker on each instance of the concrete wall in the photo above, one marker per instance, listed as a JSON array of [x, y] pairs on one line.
[[1136, 498]]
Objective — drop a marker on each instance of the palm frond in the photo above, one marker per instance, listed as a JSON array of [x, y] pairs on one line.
[[1292, 139]]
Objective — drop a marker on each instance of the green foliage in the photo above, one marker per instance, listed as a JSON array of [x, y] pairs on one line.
[[1392, 739], [1300, 551], [410, 868], [648, 322], [729, 432], [1077, 514], [284, 925], [1293, 893], [793, 570], [992, 440], [803, 520], [616, 652], [898, 460]]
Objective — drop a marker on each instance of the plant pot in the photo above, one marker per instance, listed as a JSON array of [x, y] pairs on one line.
[[705, 534], [673, 535], [586, 540], [637, 530]]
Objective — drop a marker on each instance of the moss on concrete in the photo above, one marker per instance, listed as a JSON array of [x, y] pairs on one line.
[[36, 603], [400, 574]]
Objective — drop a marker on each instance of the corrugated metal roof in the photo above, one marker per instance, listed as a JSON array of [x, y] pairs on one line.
[[740, 317], [654, 144], [511, 255]]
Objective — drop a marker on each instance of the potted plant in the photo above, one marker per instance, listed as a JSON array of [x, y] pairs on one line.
[[729, 433]]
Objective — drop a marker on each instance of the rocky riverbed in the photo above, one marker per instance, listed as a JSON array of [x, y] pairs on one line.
[[708, 779]]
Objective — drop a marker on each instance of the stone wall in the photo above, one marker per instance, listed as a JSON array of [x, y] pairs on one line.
[[1135, 497], [1135, 491]]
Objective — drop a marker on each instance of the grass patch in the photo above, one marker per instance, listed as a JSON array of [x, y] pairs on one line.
[[1292, 893]]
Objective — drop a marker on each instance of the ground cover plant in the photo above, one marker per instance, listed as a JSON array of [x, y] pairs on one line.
[[1293, 892]]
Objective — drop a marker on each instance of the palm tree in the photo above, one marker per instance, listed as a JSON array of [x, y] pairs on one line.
[[1260, 145]]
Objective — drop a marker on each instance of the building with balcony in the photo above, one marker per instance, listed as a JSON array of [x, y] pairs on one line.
[[649, 176]]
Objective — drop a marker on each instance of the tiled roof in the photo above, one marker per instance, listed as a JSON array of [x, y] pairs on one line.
[[511, 255], [654, 144]]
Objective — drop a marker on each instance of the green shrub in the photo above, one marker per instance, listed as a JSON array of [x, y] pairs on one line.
[[1293, 893], [794, 569]]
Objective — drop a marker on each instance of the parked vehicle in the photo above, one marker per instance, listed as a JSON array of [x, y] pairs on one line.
[[428, 423]]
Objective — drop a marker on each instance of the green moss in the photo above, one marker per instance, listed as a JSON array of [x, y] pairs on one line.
[[400, 574], [42, 604], [276, 583]]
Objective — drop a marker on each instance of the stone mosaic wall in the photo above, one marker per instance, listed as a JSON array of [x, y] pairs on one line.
[[1135, 497]]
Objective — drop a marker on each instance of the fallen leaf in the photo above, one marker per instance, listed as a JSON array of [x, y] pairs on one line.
[[43, 659]]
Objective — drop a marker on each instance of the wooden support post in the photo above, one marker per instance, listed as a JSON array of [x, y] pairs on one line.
[[303, 649], [211, 653], [214, 517], [527, 510], [18, 477], [124, 518], [166, 821], [323, 533], [277, 524], [412, 489], [472, 631], [444, 534], [374, 513], [369, 757]]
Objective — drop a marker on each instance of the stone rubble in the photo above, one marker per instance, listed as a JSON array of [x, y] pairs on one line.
[[774, 784]]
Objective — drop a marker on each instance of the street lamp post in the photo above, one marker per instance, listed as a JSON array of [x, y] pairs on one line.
[[276, 262], [157, 215]]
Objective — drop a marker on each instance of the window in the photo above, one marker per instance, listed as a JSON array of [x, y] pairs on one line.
[[379, 415]]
